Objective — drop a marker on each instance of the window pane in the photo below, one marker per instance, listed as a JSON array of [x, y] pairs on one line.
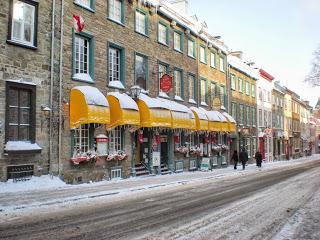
[[24, 116], [177, 82], [24, 133], [13, 133], [115, 10], [13, 97], [212, 59], [13, 115], [202, 54], [177, 41], [82, 54], [140, 22], [191, 86], [162, 33], [25, 98], [114, 64], [190, 48], [141, 71]]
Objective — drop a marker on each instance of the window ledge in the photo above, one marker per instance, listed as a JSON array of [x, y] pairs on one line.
[[163, 95], [193, 57], [82, 77], [163, 44], [178, 98], [203, 62], [21, 44], [142, 34], [84, 6], [22, 147], [192, 101], [214, 67], [178, 50], [117, 22], [116, 85], [204, 104]]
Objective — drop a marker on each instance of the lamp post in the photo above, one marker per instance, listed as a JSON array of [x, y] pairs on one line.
[[135, 92]]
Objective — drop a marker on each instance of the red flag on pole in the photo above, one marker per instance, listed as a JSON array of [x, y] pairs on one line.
[[78, 23]]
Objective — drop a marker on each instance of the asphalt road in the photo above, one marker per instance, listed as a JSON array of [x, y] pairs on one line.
[[136, 217]]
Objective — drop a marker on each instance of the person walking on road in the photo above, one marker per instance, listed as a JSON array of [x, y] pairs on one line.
[[258, 157], [235, 158], [243, 156]]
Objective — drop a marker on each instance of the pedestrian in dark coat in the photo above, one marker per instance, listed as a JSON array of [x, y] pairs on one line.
[[243, 156], [258, 157], [235, 158]]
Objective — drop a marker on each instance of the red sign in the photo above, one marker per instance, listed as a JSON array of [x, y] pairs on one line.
[[166, 83]]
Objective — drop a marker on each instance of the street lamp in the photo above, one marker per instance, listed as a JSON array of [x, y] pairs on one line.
[[135, 91]]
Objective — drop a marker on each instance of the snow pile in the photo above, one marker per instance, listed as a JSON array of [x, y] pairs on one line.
[[125, 101], [116, 84], [35, 183]]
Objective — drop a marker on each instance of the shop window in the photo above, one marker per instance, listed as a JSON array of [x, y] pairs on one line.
[[82, 138], [163, 33], [141, 23], [20, 112], [83, 57], [115, 9], [141, 71], [23, 23], [178, 41], [116, 140], [162, 69]]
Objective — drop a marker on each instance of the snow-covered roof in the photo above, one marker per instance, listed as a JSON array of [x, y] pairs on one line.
[[241, 66], [229, 117], [201, 114], [196, 28], [21, 146], [125, 101], [93, 96]]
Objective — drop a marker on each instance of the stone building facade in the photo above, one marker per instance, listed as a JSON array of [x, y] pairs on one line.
[[243, 80], [26, 76]]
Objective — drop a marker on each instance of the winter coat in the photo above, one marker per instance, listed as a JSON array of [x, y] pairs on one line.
[[243, 156], [235, 157], [258, 157]]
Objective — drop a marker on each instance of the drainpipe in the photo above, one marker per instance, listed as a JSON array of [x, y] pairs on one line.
[[51, 83], [60, 86]]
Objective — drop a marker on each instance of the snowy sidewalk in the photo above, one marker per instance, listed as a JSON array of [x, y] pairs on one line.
[[47, 190]]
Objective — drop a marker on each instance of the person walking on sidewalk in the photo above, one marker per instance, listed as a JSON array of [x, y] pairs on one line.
[[258, 157], [235, 158], [243, 156]]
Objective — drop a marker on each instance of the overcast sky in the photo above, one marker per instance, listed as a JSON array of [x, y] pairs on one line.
[[279, 35]]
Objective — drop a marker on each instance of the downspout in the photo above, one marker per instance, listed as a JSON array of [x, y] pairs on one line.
[[51, 83], [60, 86]]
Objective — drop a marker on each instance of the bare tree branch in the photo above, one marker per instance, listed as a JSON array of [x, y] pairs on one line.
[[313, 77]]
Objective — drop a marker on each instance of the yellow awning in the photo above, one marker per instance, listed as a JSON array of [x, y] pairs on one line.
[[224, 122], [231, 122], [202, 122], [182, 116], [88, 105], [215, 124], [153, 113], [123, 110]]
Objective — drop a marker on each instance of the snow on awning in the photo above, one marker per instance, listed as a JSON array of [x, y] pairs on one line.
[[123, 110], [232, 122], [88, 105]]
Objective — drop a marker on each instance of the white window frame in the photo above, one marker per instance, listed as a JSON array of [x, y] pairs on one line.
[[141, 19], [213, 60], [114, 64], [202, 54], [115, 10], [177, 82], [222, 64], [162, 33], [115, 140], [82, 138], [80, 50], [191, 80], [191, 48], [177, 41], [22, 22]]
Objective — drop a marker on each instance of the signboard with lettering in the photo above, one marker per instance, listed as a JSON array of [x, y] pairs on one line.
[[216, 104], [166, 83]]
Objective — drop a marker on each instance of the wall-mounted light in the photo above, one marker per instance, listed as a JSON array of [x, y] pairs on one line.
[[45, 110]]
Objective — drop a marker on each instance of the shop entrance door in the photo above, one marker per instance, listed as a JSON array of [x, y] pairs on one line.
[[261, 147], [164, 149]]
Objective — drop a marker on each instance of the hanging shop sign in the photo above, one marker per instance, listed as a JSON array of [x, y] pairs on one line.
[[78, 23], [166, 83], [216, 104], [156, 159]]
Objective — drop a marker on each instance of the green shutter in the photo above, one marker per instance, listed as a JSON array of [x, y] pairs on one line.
[[182, 85]]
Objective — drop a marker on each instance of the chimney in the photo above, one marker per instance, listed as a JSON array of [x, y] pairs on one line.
[[237, 54], [181, 5]]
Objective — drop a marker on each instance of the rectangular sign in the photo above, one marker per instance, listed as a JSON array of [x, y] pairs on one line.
[[156, 159], [205, 163]]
